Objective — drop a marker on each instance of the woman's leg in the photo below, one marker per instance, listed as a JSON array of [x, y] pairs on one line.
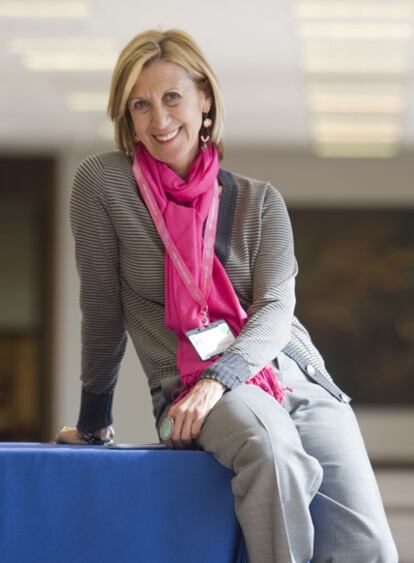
[[250, 433], [349, 518]]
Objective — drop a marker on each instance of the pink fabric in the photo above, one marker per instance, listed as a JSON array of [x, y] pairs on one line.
[[184, 205]]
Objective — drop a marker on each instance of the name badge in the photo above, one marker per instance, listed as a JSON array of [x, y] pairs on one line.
[[211, 340]]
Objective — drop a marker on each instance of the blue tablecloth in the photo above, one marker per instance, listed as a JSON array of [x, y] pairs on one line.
[[83, 504]]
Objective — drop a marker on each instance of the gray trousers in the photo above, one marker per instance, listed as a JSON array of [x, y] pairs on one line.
[[303, 487]]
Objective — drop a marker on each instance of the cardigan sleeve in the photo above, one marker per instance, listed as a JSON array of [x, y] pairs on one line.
[[268, 327], [103, 335]]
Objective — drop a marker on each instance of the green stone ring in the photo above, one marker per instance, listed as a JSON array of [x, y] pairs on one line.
[[167, 428]]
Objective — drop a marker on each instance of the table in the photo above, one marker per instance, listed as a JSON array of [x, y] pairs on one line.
[[87, 504]]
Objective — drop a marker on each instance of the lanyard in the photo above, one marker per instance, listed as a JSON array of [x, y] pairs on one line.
[[208, 248]]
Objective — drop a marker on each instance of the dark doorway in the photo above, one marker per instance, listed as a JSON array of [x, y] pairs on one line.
[[26, 296]]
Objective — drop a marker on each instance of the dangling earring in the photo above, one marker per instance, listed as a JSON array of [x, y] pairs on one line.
[[204, 132]]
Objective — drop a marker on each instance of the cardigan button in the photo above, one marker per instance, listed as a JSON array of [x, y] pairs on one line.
[[310, 370], [344, 398]]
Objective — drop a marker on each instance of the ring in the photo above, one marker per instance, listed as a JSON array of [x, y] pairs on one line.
[[167, 428]]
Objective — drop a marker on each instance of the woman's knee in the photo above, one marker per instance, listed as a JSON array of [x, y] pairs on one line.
[[376, 549], [378, 546], [255, 447], [278, 450], [260, 444], [238, 444], [243, 428]]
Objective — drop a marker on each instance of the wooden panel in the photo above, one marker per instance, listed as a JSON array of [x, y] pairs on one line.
[[355, 295]]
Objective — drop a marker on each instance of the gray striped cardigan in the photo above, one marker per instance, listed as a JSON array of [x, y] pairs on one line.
[[120, 261]]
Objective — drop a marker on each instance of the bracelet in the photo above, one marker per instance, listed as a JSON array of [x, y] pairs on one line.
[[93, 440]]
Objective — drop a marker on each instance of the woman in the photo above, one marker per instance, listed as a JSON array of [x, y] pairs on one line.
[[197, 264]]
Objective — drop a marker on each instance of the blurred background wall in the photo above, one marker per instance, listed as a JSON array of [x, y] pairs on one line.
[[319, 102]]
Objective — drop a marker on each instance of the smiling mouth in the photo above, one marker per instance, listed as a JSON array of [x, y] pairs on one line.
[[168, 137]]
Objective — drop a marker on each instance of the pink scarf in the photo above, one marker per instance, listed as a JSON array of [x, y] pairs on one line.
[[185, 205]]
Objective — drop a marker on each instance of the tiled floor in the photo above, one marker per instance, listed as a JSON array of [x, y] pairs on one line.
[[397, 489]]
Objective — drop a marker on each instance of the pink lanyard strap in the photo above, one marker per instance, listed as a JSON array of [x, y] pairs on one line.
[[208, 248]]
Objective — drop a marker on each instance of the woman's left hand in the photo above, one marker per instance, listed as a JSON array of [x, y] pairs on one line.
[[190, 413]]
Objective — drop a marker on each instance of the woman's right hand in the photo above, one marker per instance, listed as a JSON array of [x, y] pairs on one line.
[[69, 435]]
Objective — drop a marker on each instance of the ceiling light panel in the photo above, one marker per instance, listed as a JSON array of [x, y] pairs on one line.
[[362, 50], [358, 57], [65, 54], [335, 130], [354, 10], [352, 103], [389, 87], [356, 150], [69, 62], [51, 9], [364, 98], [29, 44], [335, 64], [365, 31]]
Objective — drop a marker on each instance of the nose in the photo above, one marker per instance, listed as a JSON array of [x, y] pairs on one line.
[[160, 118]]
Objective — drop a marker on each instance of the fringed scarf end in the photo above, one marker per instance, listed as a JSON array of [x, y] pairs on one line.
[[267, 380]]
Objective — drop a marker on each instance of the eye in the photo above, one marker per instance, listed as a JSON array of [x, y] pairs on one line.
[[172, 97], [139, 105]]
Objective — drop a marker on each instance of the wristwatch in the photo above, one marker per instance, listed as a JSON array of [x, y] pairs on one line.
[[93, 440], [166, 428]]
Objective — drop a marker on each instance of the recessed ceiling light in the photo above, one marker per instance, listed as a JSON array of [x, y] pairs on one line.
[[51, 9], [355, 56], [356, 150], [65, 54], [353, 10], [29, 44], [345, 64], [46, 44], [355, 103], [69, 62], [365, 31], [336, 130], [359, 87]]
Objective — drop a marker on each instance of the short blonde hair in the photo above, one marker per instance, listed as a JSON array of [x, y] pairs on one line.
[[174, 46]]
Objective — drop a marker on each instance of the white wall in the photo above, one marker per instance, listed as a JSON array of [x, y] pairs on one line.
[[306, 179], [301, 178]]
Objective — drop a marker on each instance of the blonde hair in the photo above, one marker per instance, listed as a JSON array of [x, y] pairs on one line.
[[174, 46]]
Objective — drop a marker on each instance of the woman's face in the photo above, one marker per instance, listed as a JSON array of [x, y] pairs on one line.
[[166, 109]]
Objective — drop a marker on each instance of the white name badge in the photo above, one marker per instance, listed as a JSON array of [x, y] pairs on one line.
[[211, 340]]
